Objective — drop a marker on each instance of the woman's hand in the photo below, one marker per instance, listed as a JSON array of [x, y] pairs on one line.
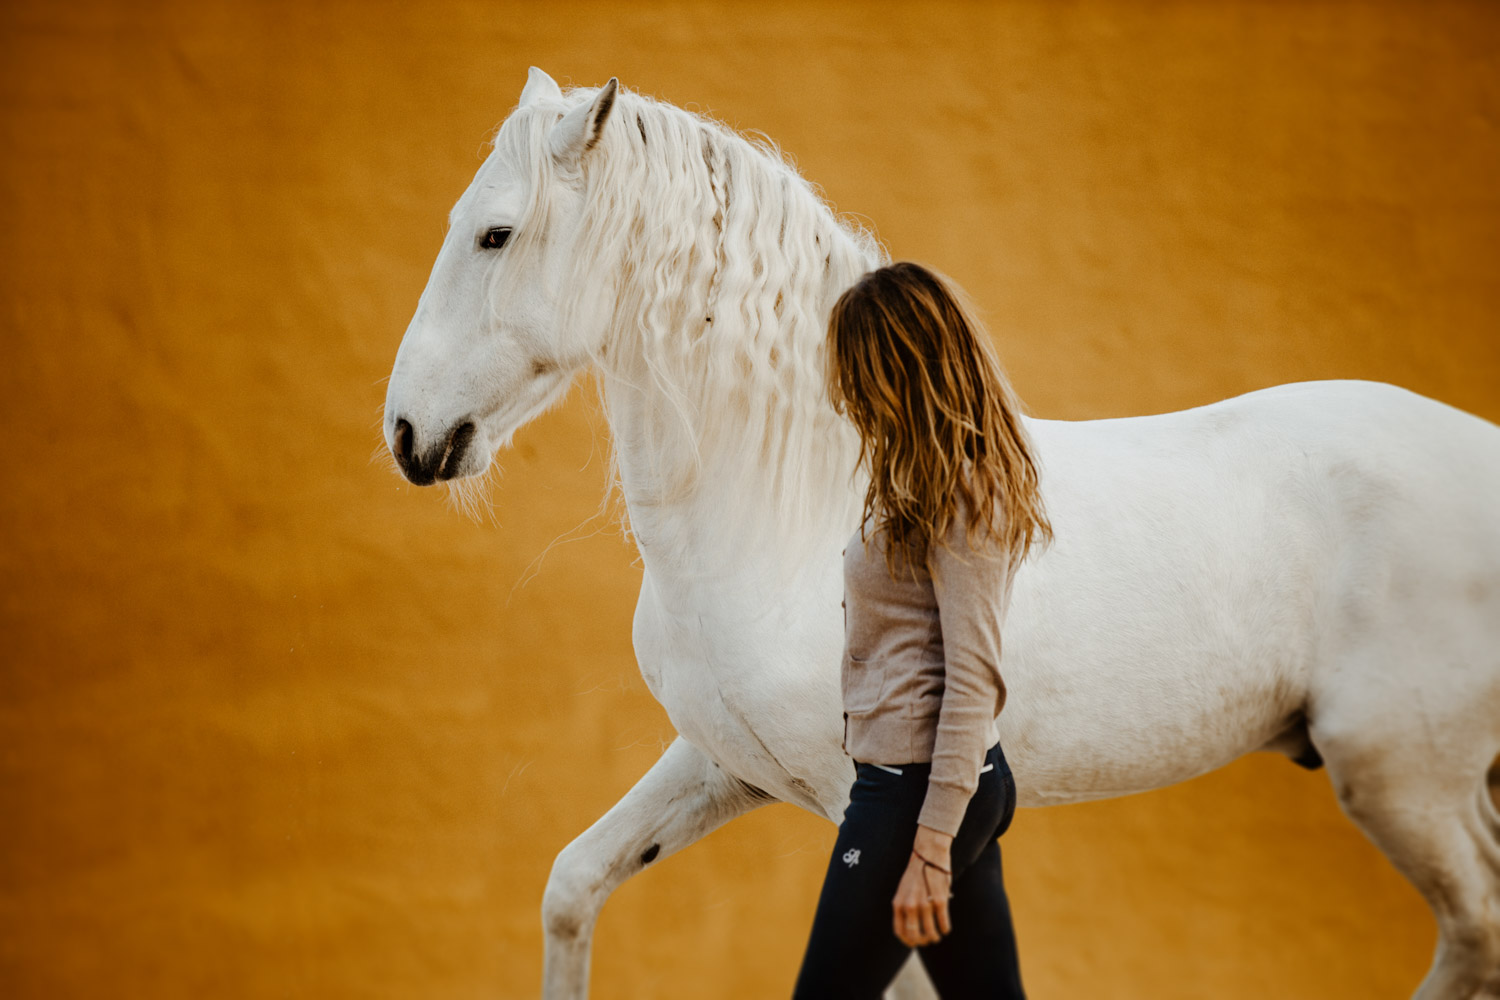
[[920, 909]]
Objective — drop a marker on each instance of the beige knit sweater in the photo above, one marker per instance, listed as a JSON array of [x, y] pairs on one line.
[[921, 672]]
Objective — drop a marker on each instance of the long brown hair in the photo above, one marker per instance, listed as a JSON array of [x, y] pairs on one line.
[[915, 373]]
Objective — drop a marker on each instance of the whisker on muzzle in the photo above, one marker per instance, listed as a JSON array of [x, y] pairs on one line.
[[471, 497]]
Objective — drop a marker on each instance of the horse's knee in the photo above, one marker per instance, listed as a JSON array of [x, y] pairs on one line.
[[562, 918], [570, 901]]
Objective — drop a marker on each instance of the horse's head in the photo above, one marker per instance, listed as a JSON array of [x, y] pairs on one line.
[[497, 336]]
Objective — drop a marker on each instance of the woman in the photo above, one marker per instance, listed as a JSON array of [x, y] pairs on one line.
[[952, 508]]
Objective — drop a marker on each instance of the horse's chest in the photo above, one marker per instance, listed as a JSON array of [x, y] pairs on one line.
[[755, 701], [720, 697]]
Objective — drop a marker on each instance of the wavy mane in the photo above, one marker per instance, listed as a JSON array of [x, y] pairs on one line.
[[712, 264]]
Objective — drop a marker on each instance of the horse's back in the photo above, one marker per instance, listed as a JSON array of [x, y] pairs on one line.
[[1394, 496], [1337, 457]]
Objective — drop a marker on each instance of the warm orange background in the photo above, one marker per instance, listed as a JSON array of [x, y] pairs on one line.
[[276, 725]]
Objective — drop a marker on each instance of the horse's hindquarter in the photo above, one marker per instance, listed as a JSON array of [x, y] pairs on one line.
[[1413, 634], [1205, 568]]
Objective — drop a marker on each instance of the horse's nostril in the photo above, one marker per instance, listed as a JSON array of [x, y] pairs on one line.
[[453, 454], [439, 460], [402, 447]]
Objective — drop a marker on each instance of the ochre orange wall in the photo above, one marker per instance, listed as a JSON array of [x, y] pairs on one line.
[[276, 725]]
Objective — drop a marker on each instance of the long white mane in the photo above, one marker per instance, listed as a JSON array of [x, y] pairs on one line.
[[712, 265]]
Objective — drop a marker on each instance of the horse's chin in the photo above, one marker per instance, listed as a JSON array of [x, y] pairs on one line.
[[474, 465], [468, 489], [480, 454]]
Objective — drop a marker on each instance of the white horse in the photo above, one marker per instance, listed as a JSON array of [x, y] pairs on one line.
[[1312, 569]]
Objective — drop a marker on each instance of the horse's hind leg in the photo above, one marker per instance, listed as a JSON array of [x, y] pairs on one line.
[[1426, 804], [680, 800]]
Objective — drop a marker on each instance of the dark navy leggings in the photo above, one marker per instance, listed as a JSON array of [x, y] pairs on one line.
[[853, 954]]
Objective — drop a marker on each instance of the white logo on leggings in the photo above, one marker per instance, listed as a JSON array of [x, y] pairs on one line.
[[851, 857]]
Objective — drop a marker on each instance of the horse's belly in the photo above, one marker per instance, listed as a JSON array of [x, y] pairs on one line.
[[1119, 734]]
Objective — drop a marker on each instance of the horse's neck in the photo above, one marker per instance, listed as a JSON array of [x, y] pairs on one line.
[[736, 525], [728, 523]]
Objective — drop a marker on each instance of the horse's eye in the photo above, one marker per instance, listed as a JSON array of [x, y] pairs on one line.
[[495, 238]]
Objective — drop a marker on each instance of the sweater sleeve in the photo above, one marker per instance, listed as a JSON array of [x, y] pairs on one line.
[[970, 584]]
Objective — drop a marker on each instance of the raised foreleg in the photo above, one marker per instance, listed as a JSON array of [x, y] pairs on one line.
[[682, 798]]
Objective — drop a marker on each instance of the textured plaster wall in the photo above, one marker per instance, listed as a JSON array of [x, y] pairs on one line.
[[273, 724]]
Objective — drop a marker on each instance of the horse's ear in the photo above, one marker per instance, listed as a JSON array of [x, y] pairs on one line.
[[539, 86], [581, 127]]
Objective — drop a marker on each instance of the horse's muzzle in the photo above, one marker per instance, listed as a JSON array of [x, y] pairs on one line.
[[440, 460]]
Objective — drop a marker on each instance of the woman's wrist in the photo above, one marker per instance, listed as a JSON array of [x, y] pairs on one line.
[[933, 846]]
